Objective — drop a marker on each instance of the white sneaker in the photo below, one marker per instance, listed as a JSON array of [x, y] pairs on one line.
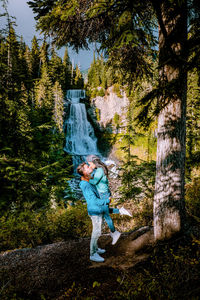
[[101, 251], [115, 236], [96, 257], [124, 211]]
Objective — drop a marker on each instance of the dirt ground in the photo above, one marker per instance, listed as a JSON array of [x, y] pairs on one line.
[[52, 270]]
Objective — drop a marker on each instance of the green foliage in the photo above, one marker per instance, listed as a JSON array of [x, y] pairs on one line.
[[35, 58], [170, 273], [94, 93], [74, 291], [138, 175], [116, 119], [58, 106], [67, 71], [43, 90], [57, 69], [137, 179], [126, 31], [97, 114], [116, 90], [33, 165], [101, 93], [193, 123], [27, 227], [102, 74], [192, 197], [96, 73]]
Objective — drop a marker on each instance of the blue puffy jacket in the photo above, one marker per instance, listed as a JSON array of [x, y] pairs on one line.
[[95, 205]]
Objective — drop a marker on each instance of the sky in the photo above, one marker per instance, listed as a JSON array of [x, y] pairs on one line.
[[26, 28]]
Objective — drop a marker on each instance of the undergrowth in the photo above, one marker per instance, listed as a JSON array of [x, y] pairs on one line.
[[29, 228]]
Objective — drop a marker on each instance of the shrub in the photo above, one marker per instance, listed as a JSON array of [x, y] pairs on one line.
[[97, 110], [101, 93], [142, 212], [172, 272], [192, 197], [116, 90], [138, 179], [94, 93], [29, 228]]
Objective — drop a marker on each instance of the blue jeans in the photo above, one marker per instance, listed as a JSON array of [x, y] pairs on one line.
[[96, 233], [108, 211]]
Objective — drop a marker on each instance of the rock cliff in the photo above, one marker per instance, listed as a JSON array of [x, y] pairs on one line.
[[104, 109]]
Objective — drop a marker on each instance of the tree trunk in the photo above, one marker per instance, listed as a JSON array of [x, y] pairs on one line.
[[169, 208]]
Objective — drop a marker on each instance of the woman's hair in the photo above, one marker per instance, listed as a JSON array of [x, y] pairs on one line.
[[98, 163]]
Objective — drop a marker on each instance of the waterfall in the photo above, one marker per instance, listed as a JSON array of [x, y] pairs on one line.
[[80, 137]]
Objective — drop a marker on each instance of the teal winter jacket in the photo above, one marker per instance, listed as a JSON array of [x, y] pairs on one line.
[[95, 205], [100, 180]]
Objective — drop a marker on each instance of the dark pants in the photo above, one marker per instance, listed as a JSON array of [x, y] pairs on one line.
[[108, 211]]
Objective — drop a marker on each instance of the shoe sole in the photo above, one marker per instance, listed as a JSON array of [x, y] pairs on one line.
[[96, 260]]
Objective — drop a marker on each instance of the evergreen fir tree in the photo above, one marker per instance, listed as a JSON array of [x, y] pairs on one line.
[[12, 58], [78, 78], [28, 58], [67, 71], [23, 67], [31, 150], [58, 106], [44, 54], [193, 123], [56, 69], [3, 64], [43, 90], [35, 58]]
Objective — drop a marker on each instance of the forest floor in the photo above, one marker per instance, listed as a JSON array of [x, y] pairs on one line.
[[53, 270], [63, 270]]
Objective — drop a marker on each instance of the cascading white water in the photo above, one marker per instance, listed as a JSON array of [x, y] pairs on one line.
[[75, 94], [80, 137]]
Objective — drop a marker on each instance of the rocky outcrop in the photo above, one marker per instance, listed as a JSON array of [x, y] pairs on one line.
[[108, 106]]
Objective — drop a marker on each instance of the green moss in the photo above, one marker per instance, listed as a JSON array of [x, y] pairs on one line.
[[97, 111], [94, 93], [101, 93], [116, 90]]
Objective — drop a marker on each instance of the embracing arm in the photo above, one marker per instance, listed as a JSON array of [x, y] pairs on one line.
[[97, 176]]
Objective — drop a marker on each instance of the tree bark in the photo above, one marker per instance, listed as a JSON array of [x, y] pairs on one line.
[[169, 208]]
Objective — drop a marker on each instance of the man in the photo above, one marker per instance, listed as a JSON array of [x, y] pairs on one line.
[[96, 208]]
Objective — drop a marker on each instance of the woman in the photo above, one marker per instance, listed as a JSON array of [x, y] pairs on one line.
[[100, 180]]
